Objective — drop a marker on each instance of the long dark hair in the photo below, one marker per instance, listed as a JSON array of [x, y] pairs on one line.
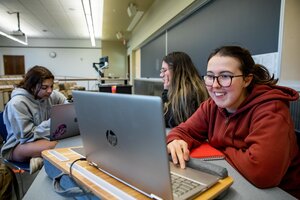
[[35, 77], [260, 73], [186, 86]]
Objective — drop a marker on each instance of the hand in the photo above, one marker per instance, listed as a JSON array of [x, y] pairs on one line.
[[179, 152]]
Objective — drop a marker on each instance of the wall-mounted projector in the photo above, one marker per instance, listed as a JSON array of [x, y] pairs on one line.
[[18, 33], [135, 14], [131, 10]]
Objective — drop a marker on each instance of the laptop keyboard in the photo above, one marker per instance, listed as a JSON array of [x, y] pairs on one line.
[[182, 186]]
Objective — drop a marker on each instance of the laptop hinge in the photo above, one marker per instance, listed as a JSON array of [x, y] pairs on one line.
[[153, 196]]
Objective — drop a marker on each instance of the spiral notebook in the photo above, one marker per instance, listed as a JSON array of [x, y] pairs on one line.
[[206, 152]]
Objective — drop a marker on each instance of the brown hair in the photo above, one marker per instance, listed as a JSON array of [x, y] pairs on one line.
[[186, 86], [260, 73], [35, 77]]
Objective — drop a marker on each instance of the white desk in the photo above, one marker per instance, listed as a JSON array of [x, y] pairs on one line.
[[41, 188]]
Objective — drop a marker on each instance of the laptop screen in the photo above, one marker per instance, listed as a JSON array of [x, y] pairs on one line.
[[124, 135]]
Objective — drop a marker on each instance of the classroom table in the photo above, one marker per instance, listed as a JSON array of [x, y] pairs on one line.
[[41, 187]]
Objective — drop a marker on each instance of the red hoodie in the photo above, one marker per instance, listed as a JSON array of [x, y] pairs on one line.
[[258, 139]]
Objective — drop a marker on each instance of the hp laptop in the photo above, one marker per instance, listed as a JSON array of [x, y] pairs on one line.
[[63, 122], [124, 136]]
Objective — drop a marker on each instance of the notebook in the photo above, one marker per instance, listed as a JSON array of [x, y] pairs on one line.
[[63, 122], [124, 136], [206, 152]]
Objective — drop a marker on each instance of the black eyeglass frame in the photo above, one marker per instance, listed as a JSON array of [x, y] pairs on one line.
[[164, 70], [217, 77]]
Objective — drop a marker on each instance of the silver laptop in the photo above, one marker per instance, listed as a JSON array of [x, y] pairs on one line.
[[63, 122], [124, 136]]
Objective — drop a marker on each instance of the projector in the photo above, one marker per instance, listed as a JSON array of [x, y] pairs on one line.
[[131, 10], [18, 33]]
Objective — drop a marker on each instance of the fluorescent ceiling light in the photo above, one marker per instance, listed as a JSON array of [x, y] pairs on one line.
[[90, 25], [99, 16], [86, 4], [15, 38]]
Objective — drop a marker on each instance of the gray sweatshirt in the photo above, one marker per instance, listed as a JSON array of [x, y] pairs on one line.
[[26, 118]]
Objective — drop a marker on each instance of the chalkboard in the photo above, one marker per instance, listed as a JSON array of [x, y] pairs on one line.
[[253, 24], [151, 57]]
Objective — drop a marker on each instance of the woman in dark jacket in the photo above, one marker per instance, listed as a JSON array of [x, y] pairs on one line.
[[183, 88]]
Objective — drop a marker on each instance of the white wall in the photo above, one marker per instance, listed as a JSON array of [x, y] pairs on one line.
[[74, 58], [116, 53], [290, 62]]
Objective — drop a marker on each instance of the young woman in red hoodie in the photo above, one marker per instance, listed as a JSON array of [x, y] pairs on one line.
[[247, 118]]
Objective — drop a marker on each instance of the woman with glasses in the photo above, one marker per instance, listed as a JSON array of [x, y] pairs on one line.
[[27, 116], [183, 88], [247, 118]]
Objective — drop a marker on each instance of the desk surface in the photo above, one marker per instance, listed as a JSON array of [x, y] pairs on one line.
[[41, 188], [120, 190]]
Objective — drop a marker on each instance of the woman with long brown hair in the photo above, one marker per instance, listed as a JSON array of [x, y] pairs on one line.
[[27, 116], [183, 91]]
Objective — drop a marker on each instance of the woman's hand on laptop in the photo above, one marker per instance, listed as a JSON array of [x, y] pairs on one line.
[[179, 152]]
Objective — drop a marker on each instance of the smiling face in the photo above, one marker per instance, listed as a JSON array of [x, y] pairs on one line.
[[166, 74], [227, 97]]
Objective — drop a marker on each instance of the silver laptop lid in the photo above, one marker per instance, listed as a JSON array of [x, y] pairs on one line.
[[124, 135], [63, 122]]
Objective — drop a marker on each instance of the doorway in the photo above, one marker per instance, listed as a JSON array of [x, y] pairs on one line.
[[128, 67], [14, 65]]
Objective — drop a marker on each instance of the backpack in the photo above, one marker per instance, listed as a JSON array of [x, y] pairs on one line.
[[8, 183]]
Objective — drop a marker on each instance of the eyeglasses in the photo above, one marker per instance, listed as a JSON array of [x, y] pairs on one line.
[[223, 80], [162, 70]]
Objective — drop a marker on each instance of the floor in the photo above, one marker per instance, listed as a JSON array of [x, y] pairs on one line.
[[25, 180]]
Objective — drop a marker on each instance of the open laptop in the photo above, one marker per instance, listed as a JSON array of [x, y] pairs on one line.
[[63, 122], [124, 136]]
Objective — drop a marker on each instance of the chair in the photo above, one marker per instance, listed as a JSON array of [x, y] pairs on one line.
[[298, 136], [18, 167], [295, 113], [3, 130]]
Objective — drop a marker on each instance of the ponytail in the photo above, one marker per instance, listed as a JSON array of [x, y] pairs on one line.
[[261, 76], [260, 73]]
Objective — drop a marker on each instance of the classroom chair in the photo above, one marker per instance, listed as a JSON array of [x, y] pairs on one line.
[[18, 167]]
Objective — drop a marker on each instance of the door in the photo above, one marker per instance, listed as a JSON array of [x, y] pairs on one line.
[[13, 65], [128, 67]]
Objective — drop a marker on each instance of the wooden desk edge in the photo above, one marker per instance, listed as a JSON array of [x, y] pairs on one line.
[[217, 189], [211, 193]]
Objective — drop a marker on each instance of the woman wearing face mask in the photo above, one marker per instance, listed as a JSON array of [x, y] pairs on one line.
[[27, 116], [183, 88], [247, 118]]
